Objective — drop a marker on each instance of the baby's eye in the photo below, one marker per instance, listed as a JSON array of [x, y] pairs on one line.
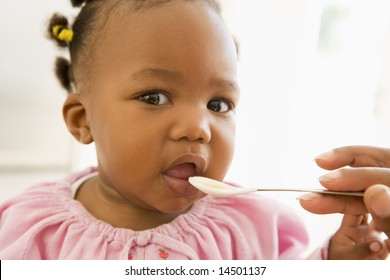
[[155, 98], [219, 105]]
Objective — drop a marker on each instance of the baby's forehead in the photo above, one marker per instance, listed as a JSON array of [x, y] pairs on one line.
[[175, 25], [129, 18], [109, 14], [166, 37]]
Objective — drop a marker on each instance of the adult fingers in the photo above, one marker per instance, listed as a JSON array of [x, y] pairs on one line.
[[355, 179], [327, 204], [377, 200], [354, 156]]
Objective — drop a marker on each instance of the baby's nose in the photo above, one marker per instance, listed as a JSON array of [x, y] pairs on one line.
[[192, 125]]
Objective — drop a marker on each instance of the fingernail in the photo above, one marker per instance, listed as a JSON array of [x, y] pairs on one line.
[[329, 177], [309, 196], [379, 201], [375, 247], [325, 156]]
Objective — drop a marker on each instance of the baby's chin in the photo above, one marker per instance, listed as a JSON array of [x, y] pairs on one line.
[[181, 206]]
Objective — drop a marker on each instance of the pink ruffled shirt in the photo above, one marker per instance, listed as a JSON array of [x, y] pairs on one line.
[[45, 222]]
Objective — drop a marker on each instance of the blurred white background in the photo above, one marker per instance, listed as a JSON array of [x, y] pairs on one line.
[[314, 75]]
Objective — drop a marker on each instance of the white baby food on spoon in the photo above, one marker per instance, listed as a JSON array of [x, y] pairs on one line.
[[217, 188]]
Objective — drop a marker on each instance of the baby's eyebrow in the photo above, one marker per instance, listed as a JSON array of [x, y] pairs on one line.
[[156, 72], [148, 73], [225, 83]]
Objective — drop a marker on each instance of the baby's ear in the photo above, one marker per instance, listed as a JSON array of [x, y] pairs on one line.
[[76, 118]]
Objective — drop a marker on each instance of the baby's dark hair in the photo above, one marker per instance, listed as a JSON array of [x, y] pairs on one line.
[[84, 32]]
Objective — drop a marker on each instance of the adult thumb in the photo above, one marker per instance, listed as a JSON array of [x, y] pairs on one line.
[[377, 200]]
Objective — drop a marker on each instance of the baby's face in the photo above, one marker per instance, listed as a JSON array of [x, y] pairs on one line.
[[161, 103]]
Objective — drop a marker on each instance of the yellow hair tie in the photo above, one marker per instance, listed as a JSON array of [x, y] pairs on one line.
[[62, 33]]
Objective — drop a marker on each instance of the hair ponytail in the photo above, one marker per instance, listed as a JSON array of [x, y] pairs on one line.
[[59, 32], [64, 74], [58, 25]]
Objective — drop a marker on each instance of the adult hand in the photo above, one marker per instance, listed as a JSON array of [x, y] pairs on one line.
[[369, 172]]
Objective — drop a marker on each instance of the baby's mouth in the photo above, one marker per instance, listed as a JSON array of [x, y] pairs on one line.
[[181, 171], [176, 179]]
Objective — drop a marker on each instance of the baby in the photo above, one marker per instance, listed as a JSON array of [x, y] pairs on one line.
[[154, 85]]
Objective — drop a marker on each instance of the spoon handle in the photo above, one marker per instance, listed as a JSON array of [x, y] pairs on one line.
[[321, 191]]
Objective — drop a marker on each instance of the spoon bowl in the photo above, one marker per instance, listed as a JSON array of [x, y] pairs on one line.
[[217, 188]]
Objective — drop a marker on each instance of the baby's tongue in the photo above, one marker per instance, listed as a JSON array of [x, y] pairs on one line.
[[181, 171]]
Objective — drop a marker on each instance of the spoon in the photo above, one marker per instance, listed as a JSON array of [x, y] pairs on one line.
[[217, 188]]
